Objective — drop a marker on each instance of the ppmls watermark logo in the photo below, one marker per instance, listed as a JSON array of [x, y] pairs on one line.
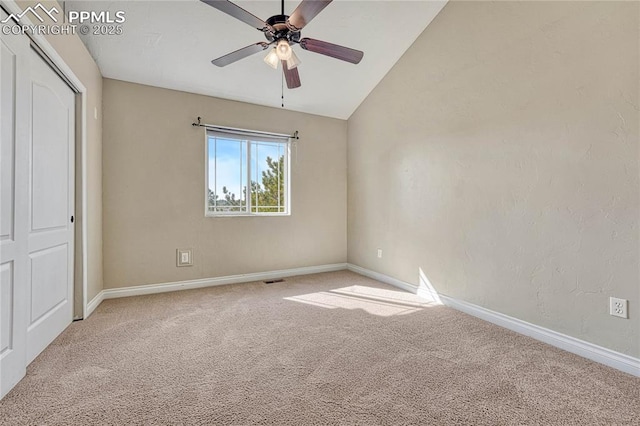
[[77, 22], [34, 11]]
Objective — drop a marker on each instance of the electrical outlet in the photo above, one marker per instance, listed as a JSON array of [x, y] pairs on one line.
[[184, 257], [379, 253], [618, 307]]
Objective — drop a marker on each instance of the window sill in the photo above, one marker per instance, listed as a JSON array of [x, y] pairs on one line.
[[247, 215]]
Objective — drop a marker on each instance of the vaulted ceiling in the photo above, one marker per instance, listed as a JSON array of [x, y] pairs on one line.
[[170, 44]]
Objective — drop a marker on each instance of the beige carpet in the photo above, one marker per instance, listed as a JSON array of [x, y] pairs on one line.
[[333, 348]]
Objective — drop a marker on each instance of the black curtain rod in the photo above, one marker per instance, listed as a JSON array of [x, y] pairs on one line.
[[236, 130]]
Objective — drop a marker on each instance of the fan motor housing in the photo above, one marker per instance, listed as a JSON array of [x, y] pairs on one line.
[[279, 22]]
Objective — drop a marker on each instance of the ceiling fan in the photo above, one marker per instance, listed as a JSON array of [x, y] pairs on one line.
[[283, 31]]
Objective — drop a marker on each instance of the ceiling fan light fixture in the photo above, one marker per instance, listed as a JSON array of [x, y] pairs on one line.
[[293, 61], [283, 31], [272, 59], [283, 50]]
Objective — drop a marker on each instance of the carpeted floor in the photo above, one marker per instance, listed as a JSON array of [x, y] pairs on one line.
[[334, 348]]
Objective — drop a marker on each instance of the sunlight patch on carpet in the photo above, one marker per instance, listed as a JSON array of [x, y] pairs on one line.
[[375, 301]]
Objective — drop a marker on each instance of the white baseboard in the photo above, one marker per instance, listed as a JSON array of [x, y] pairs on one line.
[[411, 288], [605, 356], [93, 304], [112, 293]]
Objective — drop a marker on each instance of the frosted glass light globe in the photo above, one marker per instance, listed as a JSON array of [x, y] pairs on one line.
[[272, 59], [283, 50]]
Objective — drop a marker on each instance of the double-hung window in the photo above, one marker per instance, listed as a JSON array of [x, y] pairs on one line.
[[246, 174]]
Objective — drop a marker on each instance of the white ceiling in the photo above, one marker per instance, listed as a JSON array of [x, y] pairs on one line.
[[170, 44]]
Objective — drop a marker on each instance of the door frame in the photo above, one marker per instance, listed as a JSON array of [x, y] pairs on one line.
[[80, 140]]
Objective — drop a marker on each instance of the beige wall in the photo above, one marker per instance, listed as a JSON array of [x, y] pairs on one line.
[[154, 190], [500, 156], [76, 56]]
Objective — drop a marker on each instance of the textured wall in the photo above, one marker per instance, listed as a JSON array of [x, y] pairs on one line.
[[154, 177], [500, 157]]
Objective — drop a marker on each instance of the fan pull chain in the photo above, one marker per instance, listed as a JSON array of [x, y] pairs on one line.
[[282, 88]]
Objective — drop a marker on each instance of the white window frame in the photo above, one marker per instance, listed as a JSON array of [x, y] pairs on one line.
[[248, 138]]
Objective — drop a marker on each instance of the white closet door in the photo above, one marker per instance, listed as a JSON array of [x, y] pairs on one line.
[[51, 199], [37, 112], [14, 155]]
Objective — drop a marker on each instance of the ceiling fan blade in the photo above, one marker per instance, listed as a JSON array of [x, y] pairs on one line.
[[239, 54], [239, 13], [291, 75], [333, 50], [305, 12]]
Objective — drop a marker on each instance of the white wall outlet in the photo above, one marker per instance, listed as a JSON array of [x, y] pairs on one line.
[[379, 253], [184, 257], [618, 307]]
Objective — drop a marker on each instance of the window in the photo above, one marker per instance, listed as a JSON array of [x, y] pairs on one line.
[[246, 175]]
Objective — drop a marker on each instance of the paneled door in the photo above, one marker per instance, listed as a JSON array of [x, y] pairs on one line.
[[14, 155], [37, 132], [50, 207]]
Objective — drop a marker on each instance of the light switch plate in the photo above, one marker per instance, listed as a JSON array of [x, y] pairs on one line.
[[184, 257]]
